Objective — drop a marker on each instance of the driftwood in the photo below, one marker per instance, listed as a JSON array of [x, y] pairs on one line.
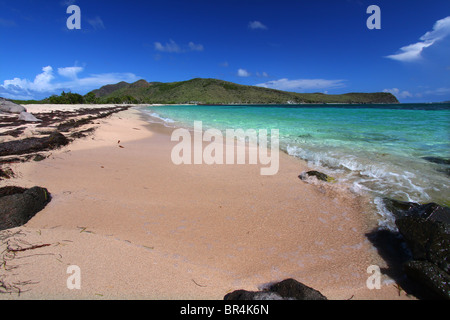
[[29, 248]]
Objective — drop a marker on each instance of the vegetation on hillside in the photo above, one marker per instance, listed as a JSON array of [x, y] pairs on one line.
[[205, 91], [212, 91]]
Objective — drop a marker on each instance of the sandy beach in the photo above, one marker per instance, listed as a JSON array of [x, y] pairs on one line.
[[140, 227]]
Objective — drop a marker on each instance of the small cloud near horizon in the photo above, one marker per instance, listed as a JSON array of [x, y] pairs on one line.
[[438, 92], [173, 47], [413, 52], [403, 94], [302, 85], [398, 93]]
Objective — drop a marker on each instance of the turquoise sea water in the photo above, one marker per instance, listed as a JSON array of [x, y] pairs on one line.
[[398, 151]]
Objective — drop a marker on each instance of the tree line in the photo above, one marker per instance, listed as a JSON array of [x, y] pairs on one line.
[[90, 98]]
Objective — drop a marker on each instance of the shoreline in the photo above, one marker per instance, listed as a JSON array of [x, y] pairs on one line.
[[368, 168], [373, 217], [203, 231]]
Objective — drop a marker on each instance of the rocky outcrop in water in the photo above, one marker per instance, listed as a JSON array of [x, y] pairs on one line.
[[431, 211], [288, 289], [318, 175], [443, 164], [437, 160], [19, 205]]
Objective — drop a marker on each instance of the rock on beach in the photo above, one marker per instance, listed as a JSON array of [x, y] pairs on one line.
[[11, 107], [19, 205]]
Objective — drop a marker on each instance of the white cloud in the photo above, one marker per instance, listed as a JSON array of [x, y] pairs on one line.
[[243, 73], [168, 47], [255, 25], [412, 52], [440, 30], [302, 84], [41, 81], [46, 83], [398, 93], [96, 23], [66, 3], [95, 81], [173, 47], [438, 91], [195, 47], [70, 72]]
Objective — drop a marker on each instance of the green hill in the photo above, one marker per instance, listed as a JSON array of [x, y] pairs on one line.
[[212, 91]]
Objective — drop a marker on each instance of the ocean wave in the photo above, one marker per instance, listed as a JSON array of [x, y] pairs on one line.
[[387, 178], [158, 116], [386, 219]]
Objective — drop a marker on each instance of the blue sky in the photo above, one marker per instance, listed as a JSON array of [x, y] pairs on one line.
[[292, 45]]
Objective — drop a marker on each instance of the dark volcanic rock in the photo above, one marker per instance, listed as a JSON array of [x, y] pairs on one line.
[[29, 145], [431, 211], [398, 208], [251, 295], [288, 289], [425, 229], [10, 190], [428, 240], [18, 205], [319, 175], [431, 276], [444, 164], [437, 160], [291, 288]]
